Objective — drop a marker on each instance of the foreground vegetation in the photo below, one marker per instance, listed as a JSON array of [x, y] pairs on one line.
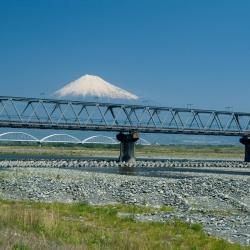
[[27, 225], [184, 151]]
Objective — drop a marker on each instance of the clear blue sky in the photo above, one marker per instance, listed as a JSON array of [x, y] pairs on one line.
[[173, 52]]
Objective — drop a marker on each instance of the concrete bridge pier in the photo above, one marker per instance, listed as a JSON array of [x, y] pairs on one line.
[[246, 141], [127, 146]]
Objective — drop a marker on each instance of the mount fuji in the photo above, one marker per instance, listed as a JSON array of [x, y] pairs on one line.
[[94, 86]]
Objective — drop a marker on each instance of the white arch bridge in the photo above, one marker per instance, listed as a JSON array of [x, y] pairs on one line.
[[63, 138]]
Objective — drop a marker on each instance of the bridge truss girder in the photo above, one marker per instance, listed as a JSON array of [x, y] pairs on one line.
[[74, 115]]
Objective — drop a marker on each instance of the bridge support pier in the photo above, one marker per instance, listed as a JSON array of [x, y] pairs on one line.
[[246, 141], [127, 146]]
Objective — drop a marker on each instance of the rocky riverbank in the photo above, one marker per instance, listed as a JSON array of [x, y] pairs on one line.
[[220, 203], [45, 163]]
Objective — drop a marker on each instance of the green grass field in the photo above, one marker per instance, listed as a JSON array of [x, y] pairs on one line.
[[183, 151], [27, 225]]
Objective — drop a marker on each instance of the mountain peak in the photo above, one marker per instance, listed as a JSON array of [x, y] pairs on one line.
[[90, 85]]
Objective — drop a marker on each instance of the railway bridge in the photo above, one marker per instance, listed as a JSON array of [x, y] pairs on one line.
[[127, 120]]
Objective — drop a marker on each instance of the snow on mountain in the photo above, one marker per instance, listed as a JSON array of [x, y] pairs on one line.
[[94, 86]]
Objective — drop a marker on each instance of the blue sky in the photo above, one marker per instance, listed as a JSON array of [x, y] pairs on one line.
[[171, 52]]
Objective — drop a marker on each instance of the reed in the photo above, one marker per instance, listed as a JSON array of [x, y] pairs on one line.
[[30, 225]]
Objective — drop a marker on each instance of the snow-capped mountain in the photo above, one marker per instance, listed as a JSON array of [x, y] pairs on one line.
[[94, 86]]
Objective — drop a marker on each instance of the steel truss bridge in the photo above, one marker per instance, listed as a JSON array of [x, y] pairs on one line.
[[20, 112]]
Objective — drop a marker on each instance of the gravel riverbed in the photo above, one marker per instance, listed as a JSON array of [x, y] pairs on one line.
[[220, 202]]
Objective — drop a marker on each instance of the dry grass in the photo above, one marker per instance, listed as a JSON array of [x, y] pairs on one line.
[[26, 225], [141, 151]]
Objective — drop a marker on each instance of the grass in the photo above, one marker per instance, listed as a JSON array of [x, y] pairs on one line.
[[29, 225], [188, 151]]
